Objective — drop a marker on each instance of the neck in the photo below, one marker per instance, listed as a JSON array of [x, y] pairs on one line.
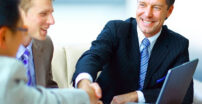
[[151, 34], [27, 41]]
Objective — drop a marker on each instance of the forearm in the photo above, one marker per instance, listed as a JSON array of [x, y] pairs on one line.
[[22, 94], [87, 64]]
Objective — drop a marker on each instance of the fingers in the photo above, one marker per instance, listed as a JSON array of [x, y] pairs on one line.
[[99, 102], [93, 89], [115, 100], [124, 98], [97, 89]]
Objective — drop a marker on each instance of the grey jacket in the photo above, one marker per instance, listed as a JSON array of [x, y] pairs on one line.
[[13, 88]]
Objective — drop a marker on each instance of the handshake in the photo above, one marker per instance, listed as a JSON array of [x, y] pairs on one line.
[[93, 90]]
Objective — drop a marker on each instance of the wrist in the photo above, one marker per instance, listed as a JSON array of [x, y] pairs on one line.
[[134, 96], [83, 83]]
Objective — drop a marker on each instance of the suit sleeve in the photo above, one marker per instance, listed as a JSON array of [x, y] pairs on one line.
[[15, 90], [100, 52], [40, 95], [182, 57]]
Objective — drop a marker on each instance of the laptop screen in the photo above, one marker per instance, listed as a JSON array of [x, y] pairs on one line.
[[176, 83]]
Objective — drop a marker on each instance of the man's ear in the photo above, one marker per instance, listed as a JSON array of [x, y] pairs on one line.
[[23, 14], [170, 10], [3, 37]]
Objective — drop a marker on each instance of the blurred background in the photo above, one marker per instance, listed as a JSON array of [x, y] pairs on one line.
[[80, 21]]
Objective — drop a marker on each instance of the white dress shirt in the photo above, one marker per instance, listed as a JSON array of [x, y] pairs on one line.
[[141, 36], [152, 41], [30, 66]]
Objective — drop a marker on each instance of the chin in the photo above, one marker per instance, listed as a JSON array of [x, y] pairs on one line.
[[40, 38], [43, 38]]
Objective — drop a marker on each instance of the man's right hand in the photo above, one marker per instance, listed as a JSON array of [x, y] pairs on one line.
[[93, 90]]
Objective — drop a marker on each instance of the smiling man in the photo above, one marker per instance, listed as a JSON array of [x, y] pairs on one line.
[[134, 56], [37, 50], [13, 89]]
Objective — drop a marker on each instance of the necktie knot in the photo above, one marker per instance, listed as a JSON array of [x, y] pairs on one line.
[[25, 57], [26, 52], [145, 42]]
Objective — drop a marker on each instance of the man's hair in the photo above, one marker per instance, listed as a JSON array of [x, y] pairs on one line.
[[26, 4], [9, 14], [170, 3]]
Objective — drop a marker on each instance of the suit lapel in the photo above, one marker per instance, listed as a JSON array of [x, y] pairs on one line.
[[158, 54], [135, 47], [37, 51], [134, 53]]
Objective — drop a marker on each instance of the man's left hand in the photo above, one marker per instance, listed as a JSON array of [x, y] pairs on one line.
[[124, 98]]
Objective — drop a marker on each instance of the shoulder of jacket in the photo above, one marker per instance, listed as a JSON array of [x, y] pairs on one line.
[[178, 37]]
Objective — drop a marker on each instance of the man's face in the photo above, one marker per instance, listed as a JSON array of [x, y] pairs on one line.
[[39, 18], [151, 15], [14, 39]]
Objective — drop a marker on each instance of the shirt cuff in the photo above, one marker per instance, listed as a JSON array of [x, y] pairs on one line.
[[83, 76], [141, 98]]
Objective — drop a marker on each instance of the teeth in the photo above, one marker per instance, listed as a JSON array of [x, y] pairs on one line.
[[147, 22]]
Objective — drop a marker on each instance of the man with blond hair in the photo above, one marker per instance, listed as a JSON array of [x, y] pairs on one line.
[[37, 50], [13, 89]]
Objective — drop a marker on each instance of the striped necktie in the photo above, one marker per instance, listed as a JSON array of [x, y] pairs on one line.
[[144, 62], [25, 59]]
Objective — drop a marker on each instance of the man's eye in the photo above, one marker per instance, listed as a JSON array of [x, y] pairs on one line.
[[141, 4], [43, 14], [157, 8]]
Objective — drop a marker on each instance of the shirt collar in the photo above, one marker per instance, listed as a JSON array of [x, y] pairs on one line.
[[22, 49], [152, 39]]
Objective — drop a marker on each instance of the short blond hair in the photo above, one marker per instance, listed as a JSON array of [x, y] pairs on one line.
[[25, 4]]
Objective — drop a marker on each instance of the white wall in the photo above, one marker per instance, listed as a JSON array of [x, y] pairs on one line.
[[82, 23], [187, 20]]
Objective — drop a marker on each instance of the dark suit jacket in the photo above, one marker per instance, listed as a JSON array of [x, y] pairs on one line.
[[42, 54], [116, 52]]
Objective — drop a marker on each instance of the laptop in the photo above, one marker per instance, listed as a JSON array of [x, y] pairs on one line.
[[176, 83]]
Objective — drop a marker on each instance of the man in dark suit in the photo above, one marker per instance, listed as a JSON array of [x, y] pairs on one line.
[[134, 56], [37, 16]]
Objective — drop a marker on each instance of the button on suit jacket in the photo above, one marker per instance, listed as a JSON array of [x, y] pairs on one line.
[[116, 53]]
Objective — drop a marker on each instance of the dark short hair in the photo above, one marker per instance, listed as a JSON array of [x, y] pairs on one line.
[[170, 2], [9, 13]]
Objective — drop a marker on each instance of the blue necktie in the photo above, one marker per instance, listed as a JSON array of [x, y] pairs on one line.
[[25, 60], [144, 62]]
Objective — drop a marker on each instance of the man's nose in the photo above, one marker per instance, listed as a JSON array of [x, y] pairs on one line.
[[148, 12], [51, 20]]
